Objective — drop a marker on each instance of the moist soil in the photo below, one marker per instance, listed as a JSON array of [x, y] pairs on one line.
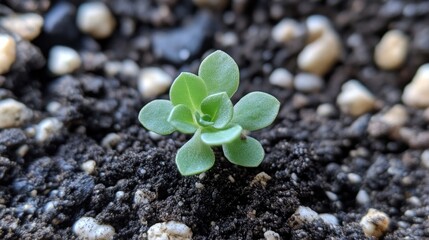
[[308, 157]]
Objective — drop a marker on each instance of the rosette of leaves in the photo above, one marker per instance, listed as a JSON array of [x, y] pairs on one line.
[[201, 105]]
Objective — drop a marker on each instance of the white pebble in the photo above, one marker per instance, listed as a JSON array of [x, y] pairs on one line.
[[319, 56], [153, 81], [47, 129], [396, 116], [304, 215], [28, 25], [354, 178], [317, 25], [281, 77], [199, 185], [308, 83], [169, 230], [416, 93], [88, 166], [332, 196], [129, 68], [271, 235], [425, 158], [7, 52], [112, 68], [329, 219], [95, 19], [110, 140], [355, 99], [362, 198], [154, 136], [326, 110], [13, 113], [143, 196], [286, 30], [88, 228], [375, 223], [63, 60], [53, 107], [391, 52]]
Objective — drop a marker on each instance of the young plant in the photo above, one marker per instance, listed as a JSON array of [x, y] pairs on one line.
[[201, 105]]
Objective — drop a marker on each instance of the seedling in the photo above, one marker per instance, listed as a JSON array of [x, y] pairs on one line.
[[201, 105]]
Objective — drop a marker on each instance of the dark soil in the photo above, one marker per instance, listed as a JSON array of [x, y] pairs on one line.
[[306, 155]]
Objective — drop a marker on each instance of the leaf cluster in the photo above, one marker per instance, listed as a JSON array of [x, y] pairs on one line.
[[200, 105]]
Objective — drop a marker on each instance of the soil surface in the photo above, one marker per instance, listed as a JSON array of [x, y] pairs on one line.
[[313, 161]]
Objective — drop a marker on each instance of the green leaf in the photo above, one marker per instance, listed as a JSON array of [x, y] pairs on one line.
[[204, 120], [219, 107], [182, 119], [246, 152], [256, 110], [220, 73], [214, 137], [188, 89], [154, 115], [194, 157]]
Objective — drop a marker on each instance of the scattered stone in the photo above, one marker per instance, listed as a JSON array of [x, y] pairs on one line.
[[261, 179], [375, 223], [169, 230], [154, 136], [188, 40], [28, 25], [143, 196], [129, 69], [308, 83], [227, 39], [63, 60], [60, 22], [354, 178], [416, 93], [301, 216], [332, 196], [211, 4], [317, 25], [13, 113], [326, 110], [355, 99], [88, 228], [396, 116], [362, 198], [329, 219], [287, 30], [153, 81], [110, 140], [281, 77], [199, 185], [391, 52], [12, 137], [88, 166], [271, 235], [414, 138], [48, 129], [112, 68], [7, 52], [425, 158], [95, 19]]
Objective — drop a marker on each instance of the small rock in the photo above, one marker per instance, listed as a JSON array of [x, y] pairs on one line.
[[169, 230], [47, 129], [286, 30], [308, 83], [317, 25], [12, 137], [88, 166], [112, 68], [13, 113], [7, 52], [271, 235], [375, 223], [88, 228], [227, 39], [329, 219], [425, 158], [391, 52], [362, 198], [416, 93], [414, 138], [301, 216], [281, 77], [110, 140], [153, 81], [354, 178], [154, 136], [144, 196], [261, 179], [396, 116], [355, 99], [212, 4], [129, 69], [95, 19], [59, 22], [326, 110], [319, 56], [28, 25], [63, 60]]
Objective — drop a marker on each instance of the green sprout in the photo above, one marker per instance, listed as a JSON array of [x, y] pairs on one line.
[[201, 105]]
